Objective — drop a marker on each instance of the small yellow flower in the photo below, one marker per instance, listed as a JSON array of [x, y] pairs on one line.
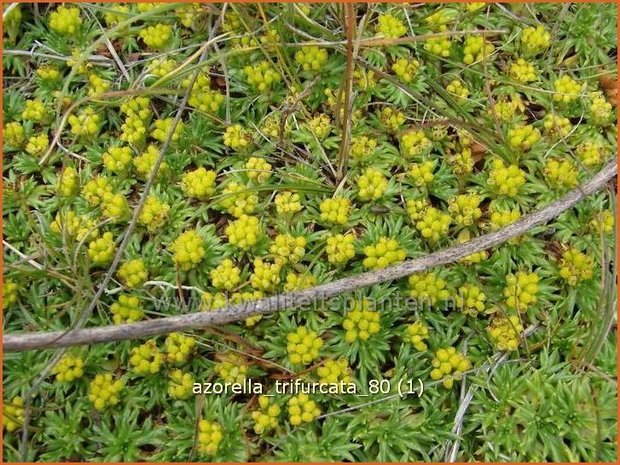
[[179, 348], [154, 213], [266, 276], [68, 368], [311, 58], [470, 299], [127, 309], [157, 36], [535, 40], [561, 173], [65, 20], [522, 71], [117, 159], [406, 69], [266, 418], [104, 392], [101, 250], [434, 224], [261, 76], [576, 266], [505, 332], [132, 273], [258, 169], [566, 89], [340, 248], [209, 437], [372, 184], [199, 183], [236, 137], [384, 253], [13, 414], [476, 49], [521, 289], [226, 275], [180, 384], [449, 365], [13, 134], [458, 89], [244, 232], [37, 145], [303, 346], [287, 203], [506, 180], [416, 334], [428, 288], [146, 359], [390, 26], [289, 248], [301, 409], [360, 323], [335, 210], [188, 250]]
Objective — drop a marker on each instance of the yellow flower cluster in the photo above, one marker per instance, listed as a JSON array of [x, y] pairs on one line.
[[157, 36], [232, 369], [199, 183], [457, 88], [132, 273], [85, 123], [266, 418], [422, 173], [311, 58], [372, 184], [414, 143], [266, 276], [179, 348], [556, 126], [72, 225], [13, 134], [383, 253], [335, 210], [392, 119], [97, 85], [299, 281], [95, 191], [13, 414], [116, 14], [48, 72], [523, 137], [566, 89], [101, 250], [261, 76], [439, 46], [600, 109], [226, 275], [433, 224], [145, 163], [590, 153], [115, 207], [340, 248], [390, 26], [522, 71], [334, 371], [503, 217], [505, 332], [301, 409], [146, 359], [180, 385], [258, 169], [236, 137], [244, 232], [476, 257], [68, 369], [465, 209], [34, 110], [238, 199], [428, 288], [103, 391], [561, 172], [576, 266], [188, 250], [154, 213], [361, 323], [289, 248], [164, 126], [362, 148], [476, 49], [416, 334], [209, 437], [161, 67], [287, 203], [449, 366], [406, 69], [506, 180], [320, 126], [470, 299], [65, 20], [521, 289], [303, 346], [10, 293], [416, 208], [127, 309], [535, 39], [37, 145], [603, 221], [202, 97], [117, 159]]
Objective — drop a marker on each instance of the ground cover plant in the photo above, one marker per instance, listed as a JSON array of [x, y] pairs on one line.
[[188, 156]]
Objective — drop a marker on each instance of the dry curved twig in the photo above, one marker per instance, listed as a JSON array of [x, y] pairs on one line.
[[45, 340]]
